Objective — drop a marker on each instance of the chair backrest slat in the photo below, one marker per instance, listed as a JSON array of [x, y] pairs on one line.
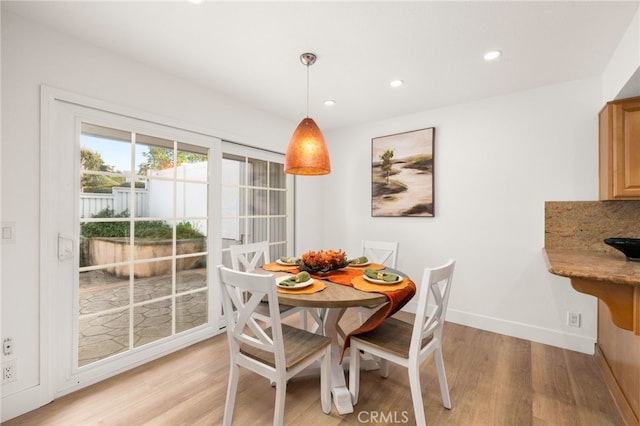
[[435, 285], [383, 252], [242, 327], [247, 257]]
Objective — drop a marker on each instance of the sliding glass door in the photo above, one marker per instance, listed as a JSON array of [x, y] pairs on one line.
[[257, 201], [136, 216]]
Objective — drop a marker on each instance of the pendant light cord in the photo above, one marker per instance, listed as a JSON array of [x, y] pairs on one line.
[[307, 90]]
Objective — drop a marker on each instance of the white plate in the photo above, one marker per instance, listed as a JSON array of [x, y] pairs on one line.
[[299, 285], [280, 262], [368, 262], [372, 280]]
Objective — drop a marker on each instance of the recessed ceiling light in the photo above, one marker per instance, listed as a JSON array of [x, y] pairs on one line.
[[329, 102], [396, 83], [490, 56]]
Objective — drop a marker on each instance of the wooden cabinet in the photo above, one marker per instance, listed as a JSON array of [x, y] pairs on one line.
[[619, 152], [618, 353]]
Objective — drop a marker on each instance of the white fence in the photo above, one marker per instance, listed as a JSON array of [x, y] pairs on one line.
[[119, 200]]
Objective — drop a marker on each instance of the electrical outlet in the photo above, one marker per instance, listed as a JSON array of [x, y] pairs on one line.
[[573, 319], [9, 371], [7, 346]]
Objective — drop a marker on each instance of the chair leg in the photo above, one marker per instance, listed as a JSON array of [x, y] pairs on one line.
[[384, 368], [232, 388], [325, 381], [416, 393], [442, 378], [354, 373], [281, 393]]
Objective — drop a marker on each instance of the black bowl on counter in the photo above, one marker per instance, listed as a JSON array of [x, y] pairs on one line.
[[629, 246]]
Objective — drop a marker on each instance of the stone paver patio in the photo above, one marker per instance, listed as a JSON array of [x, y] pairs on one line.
[[104, 335]]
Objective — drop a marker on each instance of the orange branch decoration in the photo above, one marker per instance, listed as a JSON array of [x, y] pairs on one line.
[[323, 261]]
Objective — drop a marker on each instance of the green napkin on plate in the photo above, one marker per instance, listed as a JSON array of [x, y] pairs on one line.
[[285, 259], [358, 260], [379, 275], [296, 279]]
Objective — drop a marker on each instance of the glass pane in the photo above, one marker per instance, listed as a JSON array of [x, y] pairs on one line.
[[226, 258], [278, 250], [151, 322], [231, 230], [277, 229], [121, 199], [191, 199], [231, 196], [104, 149], [257, 230], [277, 202], [257, 173], [103, 243], [257, 202], [192, 163], [192, 229], [98, 184], [152, 280], [153, 155], [154, 239], [192, 273], [277, 177], [160, 195], [102, 336], [191, 311], [233, 170], [101, 291]]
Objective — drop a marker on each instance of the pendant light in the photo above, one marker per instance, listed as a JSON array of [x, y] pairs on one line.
[[307, 153]]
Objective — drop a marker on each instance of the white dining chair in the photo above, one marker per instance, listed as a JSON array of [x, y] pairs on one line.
[[381, 252], [247, 258], [277, 352], [410, 345]]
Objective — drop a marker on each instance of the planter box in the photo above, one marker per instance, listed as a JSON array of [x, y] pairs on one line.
[[117, 250]]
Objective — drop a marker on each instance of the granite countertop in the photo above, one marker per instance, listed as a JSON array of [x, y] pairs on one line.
[[593, 265]]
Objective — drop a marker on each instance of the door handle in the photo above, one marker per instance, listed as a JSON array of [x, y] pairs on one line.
[[65, 247]]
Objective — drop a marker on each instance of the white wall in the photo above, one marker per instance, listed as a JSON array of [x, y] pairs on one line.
[[624, 62], [496, 162], [32, 55]]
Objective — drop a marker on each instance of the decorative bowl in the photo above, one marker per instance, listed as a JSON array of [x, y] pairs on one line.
[[320, 270], [629, 246]]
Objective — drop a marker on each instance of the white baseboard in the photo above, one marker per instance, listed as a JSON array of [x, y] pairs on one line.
[[542, 335], [21, 402]]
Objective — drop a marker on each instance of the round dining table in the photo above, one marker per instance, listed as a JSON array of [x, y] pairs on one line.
[[332, 303]]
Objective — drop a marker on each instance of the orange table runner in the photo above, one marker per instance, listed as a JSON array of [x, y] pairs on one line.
[[398, 296]]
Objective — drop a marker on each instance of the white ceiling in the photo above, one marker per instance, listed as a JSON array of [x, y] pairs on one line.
[[250, 50]]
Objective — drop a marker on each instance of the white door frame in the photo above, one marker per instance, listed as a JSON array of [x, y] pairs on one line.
[[57, 104]]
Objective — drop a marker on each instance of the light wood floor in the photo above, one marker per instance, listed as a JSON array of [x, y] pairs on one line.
[[493, 380]]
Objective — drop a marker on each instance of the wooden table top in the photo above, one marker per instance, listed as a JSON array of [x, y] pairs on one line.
[[334, 296]]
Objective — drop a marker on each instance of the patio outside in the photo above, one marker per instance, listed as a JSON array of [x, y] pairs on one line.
[[108, 334]]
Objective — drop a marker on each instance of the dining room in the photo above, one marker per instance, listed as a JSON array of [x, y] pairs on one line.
[[480, 156]]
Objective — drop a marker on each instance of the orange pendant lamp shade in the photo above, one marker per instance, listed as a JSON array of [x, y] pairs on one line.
[[307, 153]]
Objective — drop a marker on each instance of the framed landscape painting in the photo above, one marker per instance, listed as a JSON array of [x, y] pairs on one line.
[[402, 174]]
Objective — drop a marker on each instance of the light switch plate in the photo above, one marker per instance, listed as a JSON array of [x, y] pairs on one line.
[[8, 233]]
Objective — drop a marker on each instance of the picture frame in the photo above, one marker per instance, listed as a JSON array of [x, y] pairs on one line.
[[402, 174]]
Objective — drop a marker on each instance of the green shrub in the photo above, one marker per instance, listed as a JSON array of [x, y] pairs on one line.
[[148, 230]]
